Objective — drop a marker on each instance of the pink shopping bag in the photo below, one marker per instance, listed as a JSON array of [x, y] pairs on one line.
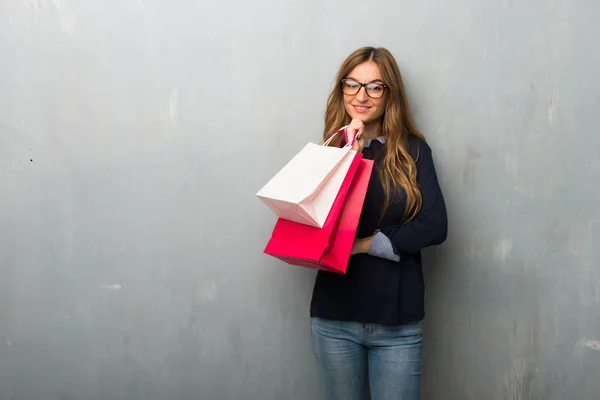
[[326, 248]]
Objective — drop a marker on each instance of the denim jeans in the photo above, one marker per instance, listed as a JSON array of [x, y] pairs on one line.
[[355, 357]]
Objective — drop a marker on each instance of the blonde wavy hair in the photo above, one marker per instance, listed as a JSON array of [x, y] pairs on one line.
[[398, 168]]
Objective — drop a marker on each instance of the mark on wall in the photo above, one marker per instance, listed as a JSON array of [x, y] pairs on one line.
[[40, 12], [517, 379], [527, 192], [523, 376], [511, 166], [530, 105], [236, 338], [503, 249], [586, 347], [592, 344], [208, 293], [142, 5], [471, 161], [115, 286], [567, 235], [171, 110], [551, 110]]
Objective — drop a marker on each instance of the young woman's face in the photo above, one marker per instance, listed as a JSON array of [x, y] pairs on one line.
[[365, 103]]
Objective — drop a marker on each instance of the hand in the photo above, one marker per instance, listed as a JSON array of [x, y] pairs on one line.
[[361, 245], [356, 126]]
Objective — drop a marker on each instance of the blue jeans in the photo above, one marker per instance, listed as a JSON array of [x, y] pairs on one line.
[[354, 357]]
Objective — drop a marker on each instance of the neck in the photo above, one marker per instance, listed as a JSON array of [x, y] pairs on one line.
[[372, 130]]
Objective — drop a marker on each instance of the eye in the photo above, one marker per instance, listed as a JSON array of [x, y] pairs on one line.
[[375, 87], [351, 84]]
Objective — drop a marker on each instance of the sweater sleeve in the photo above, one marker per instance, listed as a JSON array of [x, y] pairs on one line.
[[430, 226]]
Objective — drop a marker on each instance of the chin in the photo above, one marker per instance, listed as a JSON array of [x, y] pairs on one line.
[[363, 117]]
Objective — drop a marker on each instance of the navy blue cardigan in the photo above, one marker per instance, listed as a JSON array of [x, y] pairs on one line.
[[381, 290]]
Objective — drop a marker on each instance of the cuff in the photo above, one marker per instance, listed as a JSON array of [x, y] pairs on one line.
[[382, 247]]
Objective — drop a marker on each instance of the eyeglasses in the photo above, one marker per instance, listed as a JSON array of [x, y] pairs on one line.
[[374, 90]]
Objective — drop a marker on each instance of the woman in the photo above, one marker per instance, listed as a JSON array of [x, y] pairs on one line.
[[366, 324]]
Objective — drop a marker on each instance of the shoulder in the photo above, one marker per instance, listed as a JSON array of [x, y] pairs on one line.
[[418, 148]]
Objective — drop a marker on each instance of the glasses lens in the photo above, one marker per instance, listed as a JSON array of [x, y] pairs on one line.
[[350, 87], [375, 90]]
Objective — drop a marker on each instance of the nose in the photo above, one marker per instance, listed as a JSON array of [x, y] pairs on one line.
[[362, 95]]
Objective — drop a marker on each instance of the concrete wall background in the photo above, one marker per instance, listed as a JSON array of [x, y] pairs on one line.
[[134, 134]]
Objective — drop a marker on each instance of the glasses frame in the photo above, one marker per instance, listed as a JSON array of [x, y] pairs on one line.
[[363, 85]]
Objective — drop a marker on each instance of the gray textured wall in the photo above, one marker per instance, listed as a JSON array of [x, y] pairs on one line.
[[134, 134]]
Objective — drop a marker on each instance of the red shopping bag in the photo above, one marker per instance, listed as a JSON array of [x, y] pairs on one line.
[[326, 248]]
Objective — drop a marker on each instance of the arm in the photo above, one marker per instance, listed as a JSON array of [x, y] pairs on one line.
[[377, 245], [430, 226]]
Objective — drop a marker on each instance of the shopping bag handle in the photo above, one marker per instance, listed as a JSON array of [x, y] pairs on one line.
[[334, 134]]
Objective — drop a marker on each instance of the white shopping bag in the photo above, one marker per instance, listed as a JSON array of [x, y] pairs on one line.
[[304, 189]]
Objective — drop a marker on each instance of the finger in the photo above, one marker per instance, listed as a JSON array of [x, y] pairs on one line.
[[349, 134], [353, 133], [359, 134]]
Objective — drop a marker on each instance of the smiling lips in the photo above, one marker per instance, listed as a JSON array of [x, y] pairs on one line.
[[361, 109]]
